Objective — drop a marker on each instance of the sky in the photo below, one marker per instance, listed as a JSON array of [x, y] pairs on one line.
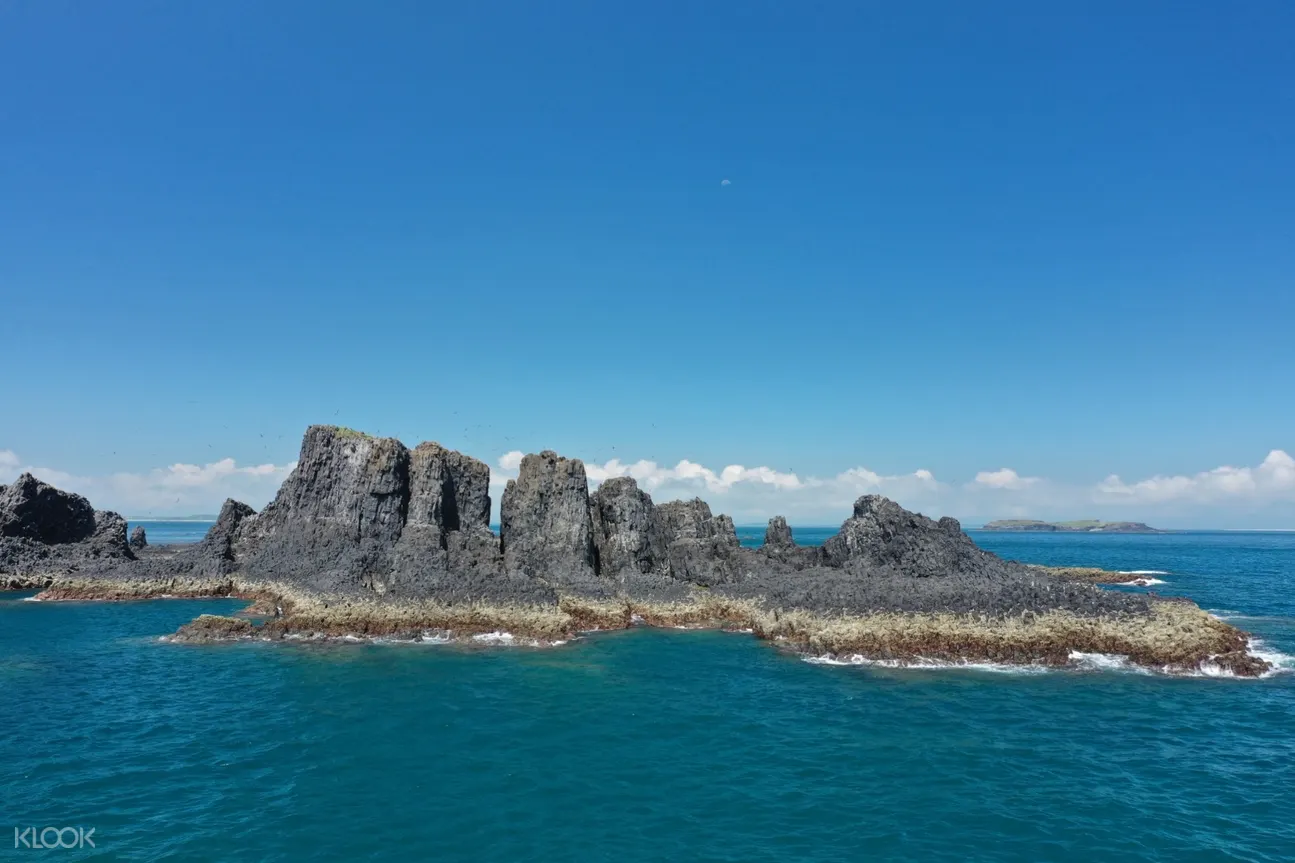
[[994, 260]]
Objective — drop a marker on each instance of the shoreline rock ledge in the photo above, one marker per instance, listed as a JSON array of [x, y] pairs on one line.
[[369, 538]]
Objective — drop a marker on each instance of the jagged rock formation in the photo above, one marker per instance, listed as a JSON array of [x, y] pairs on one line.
[[545, 525], [703, 548], [446, 546], [45, 531], [882, 534], [777, 536], [366, 516], [35, 510], [630, 534], [138, 538], [448, 490], [366, 523], [780, 546]]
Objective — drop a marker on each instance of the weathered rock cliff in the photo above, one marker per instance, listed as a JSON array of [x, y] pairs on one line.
[[545, 525]]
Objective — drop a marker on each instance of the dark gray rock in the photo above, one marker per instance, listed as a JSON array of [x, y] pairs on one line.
[[447, 490], [48, 532], [36, 510], [220, 539], [779, 546], [345, 479], [881, 533], [630, 534], [335, 521], [545, 525], [363, 515], [109, 537], [702, 548], [777, 536], [138, 538], [214, 556]]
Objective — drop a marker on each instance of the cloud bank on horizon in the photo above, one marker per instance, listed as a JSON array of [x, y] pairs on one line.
[[1258, 496]]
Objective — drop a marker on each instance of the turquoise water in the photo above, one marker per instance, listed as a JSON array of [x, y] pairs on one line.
[[168, 532], [648, 745]]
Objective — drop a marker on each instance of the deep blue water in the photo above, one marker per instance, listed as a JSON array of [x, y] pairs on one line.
[[649, 745]]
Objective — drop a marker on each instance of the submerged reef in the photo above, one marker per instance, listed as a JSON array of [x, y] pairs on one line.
[[368, 538]]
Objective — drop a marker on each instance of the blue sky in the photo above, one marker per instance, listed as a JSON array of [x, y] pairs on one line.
[[956, 238]]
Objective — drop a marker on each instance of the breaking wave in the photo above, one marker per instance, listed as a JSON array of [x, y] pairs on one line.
[[927, 664], [1282, 663]]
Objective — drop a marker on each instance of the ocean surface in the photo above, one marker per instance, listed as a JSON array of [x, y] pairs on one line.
[[648, 744]]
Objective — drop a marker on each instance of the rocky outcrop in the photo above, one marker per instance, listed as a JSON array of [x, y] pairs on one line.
[[367, 530], [780, 546], [46, 532], [221, 540], [208, 628], [883, 535], [447, 490], [351, 482], [630, 534], [364, 516], [35, 510], [335, 521], [446, 547], [138, 538], [777, 536], [702, 548], [109, 537], [545, 524]]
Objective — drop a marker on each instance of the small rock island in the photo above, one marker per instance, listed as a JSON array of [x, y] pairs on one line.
[[1085, 526], [368, 538]]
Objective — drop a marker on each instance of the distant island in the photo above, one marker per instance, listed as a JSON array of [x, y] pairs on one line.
[[1082, 526]]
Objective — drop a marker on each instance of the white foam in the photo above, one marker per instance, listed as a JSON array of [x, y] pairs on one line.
[[1141, 582], [507, 639], [1104, 662], [1141, 572], [1282, 663], [495, 637], [928, 664]]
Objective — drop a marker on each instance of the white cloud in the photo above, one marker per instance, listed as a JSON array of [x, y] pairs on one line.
[[179, 489], [1221, 497], [725, 183], [752, 494], [749, 492], [1004, 478], [1272, 479]]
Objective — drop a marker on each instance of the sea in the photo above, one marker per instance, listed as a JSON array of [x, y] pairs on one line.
[[648, 745]]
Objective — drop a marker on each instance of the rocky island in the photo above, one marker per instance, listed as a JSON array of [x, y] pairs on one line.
[[368, 538], [1083, 526]]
